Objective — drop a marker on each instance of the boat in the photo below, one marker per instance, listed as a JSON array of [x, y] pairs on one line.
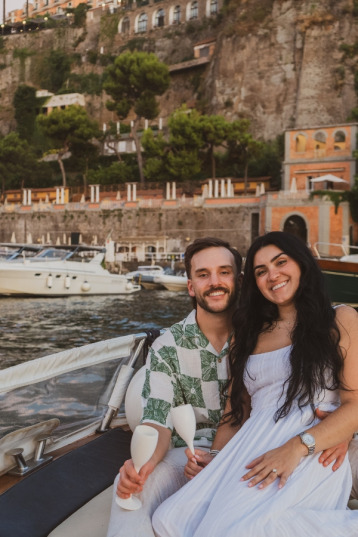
[[66, 426], [10, 251], [144, 276], [64, 434], [340, 272], [61, 271], [172, 282]]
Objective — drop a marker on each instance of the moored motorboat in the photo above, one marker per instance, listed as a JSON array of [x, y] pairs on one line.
[[144, 276], [62, 271], [172, 282], [341, 275]]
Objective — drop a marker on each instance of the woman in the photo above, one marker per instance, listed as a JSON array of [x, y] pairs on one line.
[[293, 352]]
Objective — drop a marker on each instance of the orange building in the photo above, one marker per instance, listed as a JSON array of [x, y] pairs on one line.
[[317, 151], [319, 158]]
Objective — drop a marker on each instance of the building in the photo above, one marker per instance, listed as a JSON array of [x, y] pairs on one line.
[[316, 158]]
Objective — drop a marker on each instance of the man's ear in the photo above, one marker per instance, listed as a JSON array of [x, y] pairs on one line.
[[190, 288]]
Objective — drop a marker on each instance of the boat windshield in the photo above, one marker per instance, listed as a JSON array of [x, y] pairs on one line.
[[73, 386], [53, 253]]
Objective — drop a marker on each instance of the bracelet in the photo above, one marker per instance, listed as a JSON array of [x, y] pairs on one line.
[[214, 452]]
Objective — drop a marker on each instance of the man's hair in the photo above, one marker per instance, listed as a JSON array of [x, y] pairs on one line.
[[209, 242]]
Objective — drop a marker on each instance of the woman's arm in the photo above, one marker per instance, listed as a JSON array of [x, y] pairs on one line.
[[337, 427]]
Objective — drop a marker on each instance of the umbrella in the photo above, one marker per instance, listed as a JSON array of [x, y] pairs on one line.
[[328, 177]]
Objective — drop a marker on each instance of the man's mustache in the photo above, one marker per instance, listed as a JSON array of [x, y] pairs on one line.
[[213, 289]]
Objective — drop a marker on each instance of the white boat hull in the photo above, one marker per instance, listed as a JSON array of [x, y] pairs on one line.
[[172, 283], [51, 281]]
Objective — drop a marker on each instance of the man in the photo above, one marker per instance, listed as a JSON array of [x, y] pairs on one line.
[[187, 364]]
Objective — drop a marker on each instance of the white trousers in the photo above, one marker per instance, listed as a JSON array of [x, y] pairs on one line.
[[167, 478]]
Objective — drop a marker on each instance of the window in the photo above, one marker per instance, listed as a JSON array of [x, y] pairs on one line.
[[213, 7], [159, 18], [300, 143], [142, 23], [339, 141], [176, 15], [125, 25], [320, 143], [194, 10]]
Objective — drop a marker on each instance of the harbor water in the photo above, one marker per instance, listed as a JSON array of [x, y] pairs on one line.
[[34, 327]]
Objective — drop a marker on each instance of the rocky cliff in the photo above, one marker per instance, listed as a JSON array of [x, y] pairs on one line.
[[280, 63]]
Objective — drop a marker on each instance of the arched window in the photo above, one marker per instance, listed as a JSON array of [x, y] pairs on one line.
[[159, 18], [300, 143], [213, 7], [142, 22], [194, 10], [339, 141], [125, 27], [320, 142], [296, 225], [176, 15]]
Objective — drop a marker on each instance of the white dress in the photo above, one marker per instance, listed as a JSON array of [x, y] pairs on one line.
[[216, 503]]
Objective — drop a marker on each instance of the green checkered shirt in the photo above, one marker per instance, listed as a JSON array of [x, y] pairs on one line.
[[183, 367]]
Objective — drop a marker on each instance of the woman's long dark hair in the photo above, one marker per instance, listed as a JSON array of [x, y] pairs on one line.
[[316, 359]]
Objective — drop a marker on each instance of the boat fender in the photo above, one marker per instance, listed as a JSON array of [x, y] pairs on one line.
[[67, 282], [49, 281], [129, 286], [85, 286]]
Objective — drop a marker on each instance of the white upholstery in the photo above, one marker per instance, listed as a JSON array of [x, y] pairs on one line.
[[132, 402]]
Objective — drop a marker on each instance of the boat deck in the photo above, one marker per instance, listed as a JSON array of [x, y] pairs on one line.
[[37, 504]]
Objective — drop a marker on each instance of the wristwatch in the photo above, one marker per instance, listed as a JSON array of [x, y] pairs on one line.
[[308, 440]]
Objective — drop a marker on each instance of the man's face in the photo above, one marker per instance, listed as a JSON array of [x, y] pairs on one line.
[[213, 280]]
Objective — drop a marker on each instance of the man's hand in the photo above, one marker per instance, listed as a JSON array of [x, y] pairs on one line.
[[196, 463], [130, 482], [336, 453]]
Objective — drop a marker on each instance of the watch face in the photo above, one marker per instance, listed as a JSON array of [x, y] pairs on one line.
[[308, 439]]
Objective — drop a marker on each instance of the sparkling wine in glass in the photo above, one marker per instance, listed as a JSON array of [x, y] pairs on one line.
[[183, 418], [143, 444]]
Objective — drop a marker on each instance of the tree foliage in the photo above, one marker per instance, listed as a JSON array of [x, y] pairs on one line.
[[18, 164], [25, 104], [69, 130], [55, 70], [133, 82]]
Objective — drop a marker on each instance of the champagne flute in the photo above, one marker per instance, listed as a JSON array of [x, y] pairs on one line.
[[143, 444], [184, 421]]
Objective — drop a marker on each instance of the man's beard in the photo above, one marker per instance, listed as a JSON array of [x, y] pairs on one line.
[[230, 303]]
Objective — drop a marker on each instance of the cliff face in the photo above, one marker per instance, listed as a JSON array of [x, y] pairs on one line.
[[280, 63], [289, 71]]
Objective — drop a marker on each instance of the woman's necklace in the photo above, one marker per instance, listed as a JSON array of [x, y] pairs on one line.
[[285, 325]]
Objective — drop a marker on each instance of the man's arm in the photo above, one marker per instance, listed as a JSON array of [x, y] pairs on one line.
[[157, 393], [336, 453]]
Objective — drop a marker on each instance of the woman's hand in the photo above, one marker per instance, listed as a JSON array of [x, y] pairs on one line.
[[277, 463], [196, 463]]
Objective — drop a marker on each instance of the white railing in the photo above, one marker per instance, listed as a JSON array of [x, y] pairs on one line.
[[325, 248]]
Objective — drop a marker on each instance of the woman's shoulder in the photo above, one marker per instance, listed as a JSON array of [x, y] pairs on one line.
[[347, 316]]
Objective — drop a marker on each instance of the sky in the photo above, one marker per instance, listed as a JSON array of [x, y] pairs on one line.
[[10, 5]]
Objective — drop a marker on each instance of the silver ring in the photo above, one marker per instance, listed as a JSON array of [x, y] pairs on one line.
[[274, 470]]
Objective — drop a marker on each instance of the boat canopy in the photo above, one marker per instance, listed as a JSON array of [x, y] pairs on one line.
[[41, 369]]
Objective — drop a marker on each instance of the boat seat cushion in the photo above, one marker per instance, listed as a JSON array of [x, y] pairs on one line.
[[40, 502], [132, 402]]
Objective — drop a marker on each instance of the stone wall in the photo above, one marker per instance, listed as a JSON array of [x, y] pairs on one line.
[[229, 223]]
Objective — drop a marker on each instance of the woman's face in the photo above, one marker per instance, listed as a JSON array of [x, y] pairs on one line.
[[277, 275]]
